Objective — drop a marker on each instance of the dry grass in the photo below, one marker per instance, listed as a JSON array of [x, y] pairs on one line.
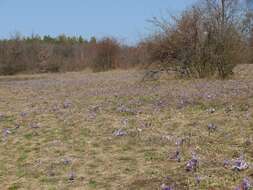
[[66, 124]]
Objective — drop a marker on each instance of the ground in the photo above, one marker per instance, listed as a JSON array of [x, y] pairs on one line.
[[111, 131]]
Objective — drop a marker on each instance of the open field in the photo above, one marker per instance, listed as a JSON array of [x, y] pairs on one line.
[[61, 131]]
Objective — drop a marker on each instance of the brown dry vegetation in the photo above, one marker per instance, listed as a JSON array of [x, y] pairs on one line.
[[29, 55], [208, 39], [55, 125]]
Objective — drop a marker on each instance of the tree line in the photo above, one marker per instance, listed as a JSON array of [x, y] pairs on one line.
[[38, 54]]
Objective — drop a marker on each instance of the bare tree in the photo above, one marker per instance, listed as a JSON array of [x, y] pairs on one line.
[[204, 40], [107, 52]]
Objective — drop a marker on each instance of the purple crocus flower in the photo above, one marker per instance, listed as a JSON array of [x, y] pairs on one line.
[[180, 142], [226, 163], [72, 176], [165, 187], [211, 127], [120, 133], [245, 185], [66, 161], [240, 164], [6, 132], [198, 179], [23, 114], [34, 126], [66, 105], [146, 125], [125, 122], [192, 164], [176, 157]]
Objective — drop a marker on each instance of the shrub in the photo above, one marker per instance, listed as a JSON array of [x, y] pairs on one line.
[[11, 60], [107, 54], [206, 40]]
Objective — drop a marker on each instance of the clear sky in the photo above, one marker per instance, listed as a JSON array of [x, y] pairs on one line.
[[124, 19]]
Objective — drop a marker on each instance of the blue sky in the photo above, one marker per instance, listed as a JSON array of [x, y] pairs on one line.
[[124, 19]]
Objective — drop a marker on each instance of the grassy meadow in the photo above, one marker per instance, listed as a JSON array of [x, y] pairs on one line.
[[110, 131]]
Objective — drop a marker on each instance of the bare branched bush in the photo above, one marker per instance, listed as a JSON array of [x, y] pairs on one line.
[[107, 52], [11, 59], [205, 40]]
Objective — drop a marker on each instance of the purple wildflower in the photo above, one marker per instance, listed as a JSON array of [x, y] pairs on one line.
[[248, 142], [66, 161], [240, 164], [55, 108], [92, 115], [212, 127], [226, 163], [124, 109], [6, 132], [72, 176], [245, 185], [146, 125], [176, 156], [192, 164], [165, 187], [66, 105], [180, 142], [120, 133], [95, 108], [198, 180], [125, 122], [23, 114], [34, 126]]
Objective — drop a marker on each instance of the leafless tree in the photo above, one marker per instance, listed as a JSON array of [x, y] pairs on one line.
[[205, 40]]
